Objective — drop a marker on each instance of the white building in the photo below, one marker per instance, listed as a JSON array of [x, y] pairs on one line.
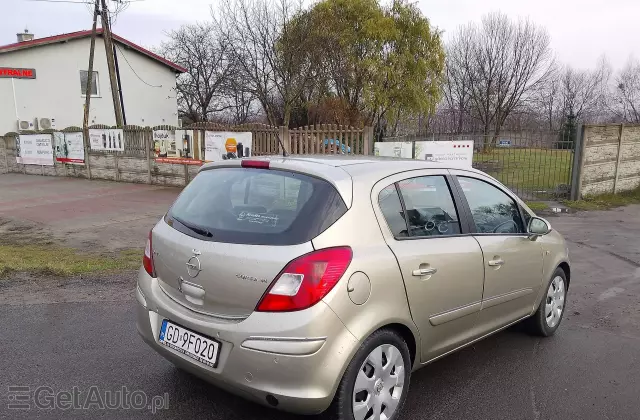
[[46, 78]]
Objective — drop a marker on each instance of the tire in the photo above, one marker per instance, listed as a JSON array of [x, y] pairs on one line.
[[384, 345], [540, 323]]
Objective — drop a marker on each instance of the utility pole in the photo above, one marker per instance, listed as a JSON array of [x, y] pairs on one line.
[[108, 45], [87, 100]]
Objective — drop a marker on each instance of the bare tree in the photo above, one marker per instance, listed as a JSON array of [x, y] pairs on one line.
[[569, 92], [626, 93], [583, 91], [456, 87], [270, 46], [503, 62], [203, 90], [546, 101], [242, 103]]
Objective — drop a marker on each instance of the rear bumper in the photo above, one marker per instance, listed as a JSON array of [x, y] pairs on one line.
[[297, 357]]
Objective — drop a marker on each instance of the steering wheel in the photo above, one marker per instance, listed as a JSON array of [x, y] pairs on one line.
[[430, 225], [497, 228], [441, 226]]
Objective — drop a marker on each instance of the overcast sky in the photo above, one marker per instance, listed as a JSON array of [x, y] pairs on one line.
[[581, 30]]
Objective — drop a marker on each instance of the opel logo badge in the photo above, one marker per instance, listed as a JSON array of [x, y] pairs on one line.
[[193, 265]]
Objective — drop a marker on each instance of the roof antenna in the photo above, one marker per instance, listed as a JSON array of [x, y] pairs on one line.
[[284, 151]]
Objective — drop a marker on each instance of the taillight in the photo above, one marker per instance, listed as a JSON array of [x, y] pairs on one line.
[[306, 280], [147, 260]]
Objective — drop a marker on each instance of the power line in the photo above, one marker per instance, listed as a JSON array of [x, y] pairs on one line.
[[120, 5], [86, 2], [61, 1], [134, 72]]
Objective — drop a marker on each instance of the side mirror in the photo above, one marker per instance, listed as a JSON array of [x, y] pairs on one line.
[[538, 227]]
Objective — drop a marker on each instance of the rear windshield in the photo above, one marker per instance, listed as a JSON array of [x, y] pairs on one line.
[[256, 206]]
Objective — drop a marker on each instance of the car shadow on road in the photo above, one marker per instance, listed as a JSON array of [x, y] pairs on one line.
[[433, 389], [191, 396]]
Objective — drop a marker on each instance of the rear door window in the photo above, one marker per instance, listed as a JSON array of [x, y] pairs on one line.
[[429, 205], [256, 206], [392, 210], [423, 208]]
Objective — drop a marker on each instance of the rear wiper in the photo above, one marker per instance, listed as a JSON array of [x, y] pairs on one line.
[[197, 229]]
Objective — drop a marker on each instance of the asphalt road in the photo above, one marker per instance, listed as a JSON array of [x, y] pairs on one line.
[[589, 370]]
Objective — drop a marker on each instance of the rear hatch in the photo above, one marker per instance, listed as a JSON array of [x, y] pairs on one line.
[[233, 229]]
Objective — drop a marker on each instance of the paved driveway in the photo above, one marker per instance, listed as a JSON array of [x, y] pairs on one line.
[[589, 370], [84, 213]]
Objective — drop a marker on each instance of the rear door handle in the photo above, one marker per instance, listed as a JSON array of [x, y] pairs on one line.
[[496, 263], [424, 272]]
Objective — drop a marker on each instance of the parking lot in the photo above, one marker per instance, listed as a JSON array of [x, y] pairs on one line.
[[82, 213], [589, 370]]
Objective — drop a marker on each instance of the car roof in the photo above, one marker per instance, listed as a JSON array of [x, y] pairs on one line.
[[365, 165], [341, 170], [348, 160]]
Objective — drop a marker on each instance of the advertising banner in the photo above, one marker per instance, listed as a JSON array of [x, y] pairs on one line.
[[69, 148], [34, 149], [176, 146], [458, 153], [106, 139], [223, 145], [398, 149]]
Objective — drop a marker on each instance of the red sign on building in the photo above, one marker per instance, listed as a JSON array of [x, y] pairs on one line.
[[17, 73]]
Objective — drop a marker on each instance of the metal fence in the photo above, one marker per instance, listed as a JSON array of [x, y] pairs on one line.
[[536, 165]]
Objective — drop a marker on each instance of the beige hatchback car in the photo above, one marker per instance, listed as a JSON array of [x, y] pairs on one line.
[[319, 283]]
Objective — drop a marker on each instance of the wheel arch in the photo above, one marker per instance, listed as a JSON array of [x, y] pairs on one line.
[[407, 335], [562, 264], [567, 271]]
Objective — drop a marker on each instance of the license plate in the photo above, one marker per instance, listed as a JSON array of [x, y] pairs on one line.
[[203, 349]]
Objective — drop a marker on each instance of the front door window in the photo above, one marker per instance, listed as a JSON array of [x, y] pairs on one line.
[[492, 210]]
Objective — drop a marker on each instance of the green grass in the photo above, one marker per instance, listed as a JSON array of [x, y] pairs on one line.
[[605, 201], [60, 261], [537, 206], [527, 169]]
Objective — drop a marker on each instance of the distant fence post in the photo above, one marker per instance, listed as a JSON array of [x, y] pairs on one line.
[[367, 140], [5, 150], [576, 171], [148, 141], [197, 151], [16, 140], [87, 149], [283, 132], [117, 166], [617, 170]]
